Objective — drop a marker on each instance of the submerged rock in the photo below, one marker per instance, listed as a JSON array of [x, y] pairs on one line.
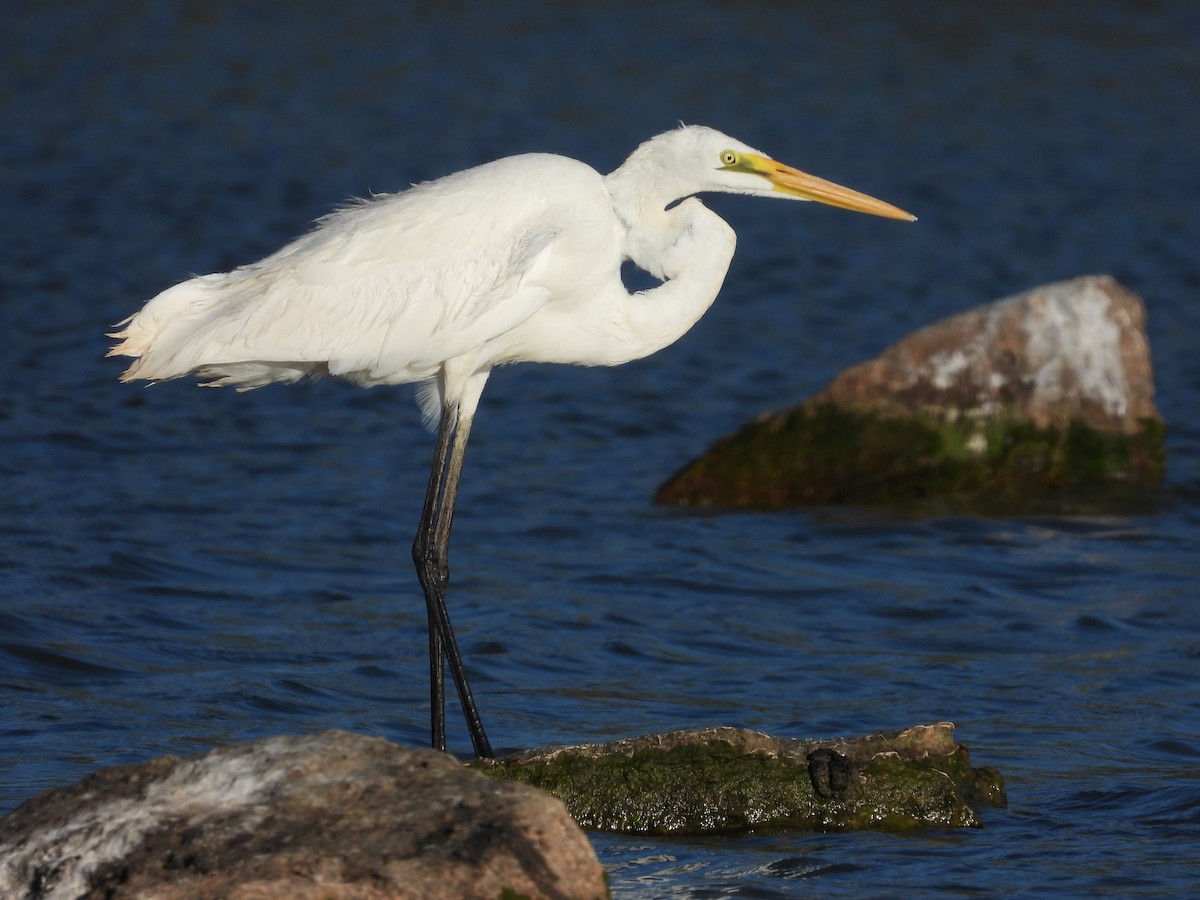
[[1050, 389], [728, 780], [331, 815]]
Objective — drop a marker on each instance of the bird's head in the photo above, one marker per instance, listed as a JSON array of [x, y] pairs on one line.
[[693, 159]]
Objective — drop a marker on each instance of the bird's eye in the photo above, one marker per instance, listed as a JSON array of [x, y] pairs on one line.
[[728, 157]]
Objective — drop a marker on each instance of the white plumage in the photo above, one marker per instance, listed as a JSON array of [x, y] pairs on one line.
[[516, 260]]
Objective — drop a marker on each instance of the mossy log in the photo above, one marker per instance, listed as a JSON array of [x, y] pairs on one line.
[[729, 780]]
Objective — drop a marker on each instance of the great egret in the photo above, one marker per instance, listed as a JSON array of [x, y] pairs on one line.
[[517, 260]]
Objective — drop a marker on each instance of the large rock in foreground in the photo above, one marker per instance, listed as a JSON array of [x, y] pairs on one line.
[[1052, 389], [327, 816], [729, 780]]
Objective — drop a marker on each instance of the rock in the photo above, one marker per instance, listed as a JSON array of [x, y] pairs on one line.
[[728, 780], [1051, 389], [331, 815], [1073, 351]]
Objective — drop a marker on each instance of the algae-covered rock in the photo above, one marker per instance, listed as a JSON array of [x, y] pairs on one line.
[[819, 454], [1050, 391], [727, 780]]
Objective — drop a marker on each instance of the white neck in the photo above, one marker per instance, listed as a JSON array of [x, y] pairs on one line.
[[688, 246]]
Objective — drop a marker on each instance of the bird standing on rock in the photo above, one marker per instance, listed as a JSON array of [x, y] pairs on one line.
[[517, 260]]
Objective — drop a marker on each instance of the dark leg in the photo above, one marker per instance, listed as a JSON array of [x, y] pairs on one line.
[[421, 548], [431, 552]]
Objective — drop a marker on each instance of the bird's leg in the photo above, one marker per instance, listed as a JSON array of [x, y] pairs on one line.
[[458, 672], [431, 551], [433, 582]]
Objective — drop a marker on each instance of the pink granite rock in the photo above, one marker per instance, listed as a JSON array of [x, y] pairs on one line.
[[1023, 400], [1069, 351], [331, 815]]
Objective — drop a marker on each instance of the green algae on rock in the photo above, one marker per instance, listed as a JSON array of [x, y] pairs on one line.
[[825, 454], [727, 780], [1047, 392]]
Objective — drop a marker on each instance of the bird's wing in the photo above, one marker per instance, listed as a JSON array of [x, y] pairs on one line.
[[385, 290]]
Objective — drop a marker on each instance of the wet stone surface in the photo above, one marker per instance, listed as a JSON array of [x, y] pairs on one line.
[[727, 780]]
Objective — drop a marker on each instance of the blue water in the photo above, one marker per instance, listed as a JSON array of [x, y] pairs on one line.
[[183, 568]]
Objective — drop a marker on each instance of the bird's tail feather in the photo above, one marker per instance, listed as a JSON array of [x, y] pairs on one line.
[[156, 335], [173, 335]]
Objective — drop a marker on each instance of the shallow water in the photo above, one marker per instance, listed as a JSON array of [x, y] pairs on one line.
[[183, 568]]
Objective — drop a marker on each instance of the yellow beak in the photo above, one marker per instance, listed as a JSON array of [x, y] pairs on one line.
[[800, 184]]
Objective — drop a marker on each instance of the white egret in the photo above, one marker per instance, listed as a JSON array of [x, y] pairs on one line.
[[517, 260]]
